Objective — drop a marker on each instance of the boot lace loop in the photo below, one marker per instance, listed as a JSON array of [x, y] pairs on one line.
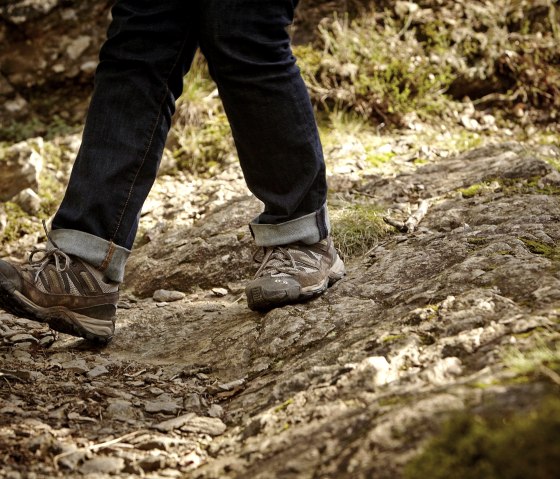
[[275, 260], [48, 255]]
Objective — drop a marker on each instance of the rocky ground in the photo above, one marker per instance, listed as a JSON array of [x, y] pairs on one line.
[[456, 314], [459, 315]]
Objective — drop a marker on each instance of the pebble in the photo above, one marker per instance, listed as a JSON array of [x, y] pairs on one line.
[[220, 292], [22, 337], [204, 425], [165, 296], [169, 406], [152, 463], [120, 410], [174, 423], [97, 371], [102, 465], [215, 410], [76, 365]]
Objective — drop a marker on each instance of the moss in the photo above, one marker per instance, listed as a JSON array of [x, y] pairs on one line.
[[545, 351], [284, 405], [392, 337], [17, 224], [357, 228], [499, 447], [477, 240], [472, 190], [377, 159], [392, 401], [551, 252]]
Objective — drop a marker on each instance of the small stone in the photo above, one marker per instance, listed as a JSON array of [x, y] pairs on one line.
[[152, 463], [88, 67], [78, 46], [205, 425], [121, 410], [215, 410], [220, 292], [29, 201], [103, 465], [174, 423], [165, 296], [46, 341], [97, 371], [76, 365], [163, 405], [22, 337]]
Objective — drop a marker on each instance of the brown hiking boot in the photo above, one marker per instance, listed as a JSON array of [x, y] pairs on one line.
[[293, 273], [62, 291]]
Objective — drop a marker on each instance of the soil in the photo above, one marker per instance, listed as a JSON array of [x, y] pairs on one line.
[[350, 384]]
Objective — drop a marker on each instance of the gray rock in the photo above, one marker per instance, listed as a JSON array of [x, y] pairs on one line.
[[121, 410], [102, 465], [196, 257], [204, 425], [76, 365], [152, 463], [165, 296], [97, 371], [164, 404], [20, 165], [28, 200], [22, 337], [174, 423]]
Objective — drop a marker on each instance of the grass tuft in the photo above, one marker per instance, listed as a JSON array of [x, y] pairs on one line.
[[357, 228]]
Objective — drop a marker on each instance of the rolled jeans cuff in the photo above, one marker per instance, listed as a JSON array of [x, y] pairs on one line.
[[308, 229], [101, 254]]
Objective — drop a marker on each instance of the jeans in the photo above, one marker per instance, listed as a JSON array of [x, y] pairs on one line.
[[149, 48]]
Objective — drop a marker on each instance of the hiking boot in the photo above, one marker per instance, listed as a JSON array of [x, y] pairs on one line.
[[61, 290], [293, 273]]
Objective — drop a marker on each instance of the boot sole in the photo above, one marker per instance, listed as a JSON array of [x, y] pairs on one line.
[[59, 318], [257, 300]]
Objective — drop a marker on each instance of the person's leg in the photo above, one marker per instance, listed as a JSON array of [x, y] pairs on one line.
[[74, 286], [271, 117], [149, 48]]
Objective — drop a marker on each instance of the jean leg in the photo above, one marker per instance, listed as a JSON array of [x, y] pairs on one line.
[[268, 106], [149, 48]]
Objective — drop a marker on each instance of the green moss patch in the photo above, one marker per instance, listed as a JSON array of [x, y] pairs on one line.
[[551, 252]]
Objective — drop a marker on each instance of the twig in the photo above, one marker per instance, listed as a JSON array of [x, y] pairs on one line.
[[552, 375], [101, 445], [356, 192], [395, 223], [412, 222]]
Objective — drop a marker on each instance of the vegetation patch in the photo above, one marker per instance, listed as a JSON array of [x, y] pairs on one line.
[[374, 69], [473, 190], [538, 247], [200, 139], [357, 228], [544, 354], [500, 447]]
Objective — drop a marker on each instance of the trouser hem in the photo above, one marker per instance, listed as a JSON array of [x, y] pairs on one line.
[[104, 255], [308, 229]]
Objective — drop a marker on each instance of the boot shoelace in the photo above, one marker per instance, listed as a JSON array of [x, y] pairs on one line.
[[276, 260], [48, 256]]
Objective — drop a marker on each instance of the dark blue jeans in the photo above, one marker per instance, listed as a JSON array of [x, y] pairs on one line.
[[150, 47]]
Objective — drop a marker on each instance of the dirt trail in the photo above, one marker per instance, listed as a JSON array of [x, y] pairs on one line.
[[347, 385]]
